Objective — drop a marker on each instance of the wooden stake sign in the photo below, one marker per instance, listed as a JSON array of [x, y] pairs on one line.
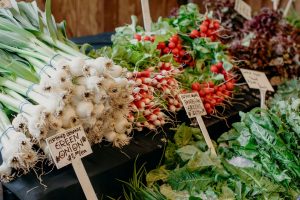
[[275, 4], [146, 15], [287, 8], [5, 4], [243, 9], [258, 80], [194, 108], [69, 147]]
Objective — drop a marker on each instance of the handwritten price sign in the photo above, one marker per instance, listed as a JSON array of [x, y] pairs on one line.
[[257, 80], [5, 4], [68, 146], [243, 9], [192, 104]]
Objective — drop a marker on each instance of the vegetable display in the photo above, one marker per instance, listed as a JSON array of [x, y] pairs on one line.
[[51, 87], [266, 43], [258, 159], [180, 54]]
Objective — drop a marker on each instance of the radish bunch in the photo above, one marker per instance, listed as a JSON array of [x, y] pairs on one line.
[[213, 95], [146, 111], [174, 46], [209, 28], [168, 86]]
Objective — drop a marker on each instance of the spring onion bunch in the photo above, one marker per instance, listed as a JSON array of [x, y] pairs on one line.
[[16, 149], [52, 86]]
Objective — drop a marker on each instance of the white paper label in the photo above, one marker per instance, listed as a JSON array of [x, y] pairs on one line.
[[243, 9], [257, 80], [69, 145], [5, 4], [192, 104]]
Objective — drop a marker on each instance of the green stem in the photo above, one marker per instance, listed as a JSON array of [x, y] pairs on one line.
[[61, 46], [25, 52], [9, 101]]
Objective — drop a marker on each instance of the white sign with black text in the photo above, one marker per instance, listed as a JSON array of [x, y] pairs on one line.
[[193, 106], [258, 80], [243, 9], [68, 147]]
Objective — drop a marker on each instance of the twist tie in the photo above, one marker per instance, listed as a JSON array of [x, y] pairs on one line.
[[22, 105]]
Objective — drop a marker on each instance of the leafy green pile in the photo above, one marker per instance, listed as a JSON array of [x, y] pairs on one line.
[[191, 172], [289, 89]]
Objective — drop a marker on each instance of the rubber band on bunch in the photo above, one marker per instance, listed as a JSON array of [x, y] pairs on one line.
[[53, 59], [44, 69], [29, 89], [22, 105]]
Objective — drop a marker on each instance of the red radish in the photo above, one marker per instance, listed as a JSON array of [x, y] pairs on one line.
[[152, 117], [181, 53], [166, 50], [214, 69], [171, 45], [147, 112], [152, 38], [172, 108], [203, 28], [206, 22], [207, 106], [140, 104], [161, 45], [175, 51], [208, 33], [146, 73], [201, 93], [174, 39], [157, 123], [176, 102], [229, 86], [138, 81], [216, 25], [138, 37], [194, 34], [147, 38], [220, 66], [179, 46], [196, 86], [211, 84]]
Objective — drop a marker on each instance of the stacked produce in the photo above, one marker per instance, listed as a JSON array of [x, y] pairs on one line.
[[266, 43], [52, 87], [257, 159], [180, 54]]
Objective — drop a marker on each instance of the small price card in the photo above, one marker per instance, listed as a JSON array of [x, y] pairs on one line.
[[243, 9], [5, 4], [192, 104], [69, 145], [257, 80]]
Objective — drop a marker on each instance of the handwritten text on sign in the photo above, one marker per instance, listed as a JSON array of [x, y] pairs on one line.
[[243, 9], [69, 145], [5, 4], [192, 104], [257, 80]]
